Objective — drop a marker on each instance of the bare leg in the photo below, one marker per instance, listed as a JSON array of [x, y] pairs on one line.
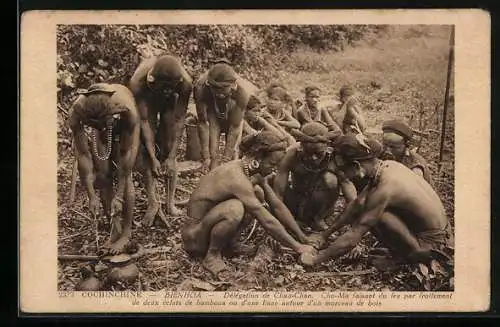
[[128, 215], [195, 237], [214, 140], [322, 200], [204, 236], [400, 240], [106, 198], [171, 181], [153, 204], [231, 212]]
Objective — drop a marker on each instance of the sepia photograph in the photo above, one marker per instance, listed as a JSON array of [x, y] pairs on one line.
[[255, 161], [255, 157]]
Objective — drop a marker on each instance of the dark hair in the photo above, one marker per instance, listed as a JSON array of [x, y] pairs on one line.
[[310, 89], [346, 90], [273, 87], [262, 143]]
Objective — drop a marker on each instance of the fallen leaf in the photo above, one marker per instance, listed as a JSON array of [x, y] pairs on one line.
[[102, 63], [424, 270], [280, 280]]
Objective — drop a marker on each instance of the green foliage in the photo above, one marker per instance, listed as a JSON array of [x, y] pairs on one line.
[[98, 53]]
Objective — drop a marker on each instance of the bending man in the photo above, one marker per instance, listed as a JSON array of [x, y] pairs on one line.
[[109, 109], [221, 98], [162, 88]]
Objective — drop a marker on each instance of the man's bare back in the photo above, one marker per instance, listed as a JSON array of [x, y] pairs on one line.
[[412, 198]]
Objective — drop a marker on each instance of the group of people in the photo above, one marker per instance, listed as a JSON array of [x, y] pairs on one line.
[[284, 163]]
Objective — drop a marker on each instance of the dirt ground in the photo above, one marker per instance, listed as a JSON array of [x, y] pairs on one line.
[[402, 75]]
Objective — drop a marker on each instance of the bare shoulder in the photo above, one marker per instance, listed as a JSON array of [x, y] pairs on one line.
[[248, 86], [137, 78], [290, 155], [199, 86]]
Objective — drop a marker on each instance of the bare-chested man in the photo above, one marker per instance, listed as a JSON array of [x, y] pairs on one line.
[[397, 139], [162, 88], [110, 110], [315, 179], [227, 192], [400, 208], [221, 98], [353, 120], [311, 110]]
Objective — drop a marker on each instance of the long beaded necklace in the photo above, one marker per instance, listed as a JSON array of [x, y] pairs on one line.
[[108, 147], [221, 115]]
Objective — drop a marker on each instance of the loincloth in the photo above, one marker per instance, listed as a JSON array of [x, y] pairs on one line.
[[436, 239]]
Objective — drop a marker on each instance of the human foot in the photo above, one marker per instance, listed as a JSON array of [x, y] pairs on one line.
[[172, 210], [214, 263], [118, 246], [319, 225], [149, 216], [191, 241]]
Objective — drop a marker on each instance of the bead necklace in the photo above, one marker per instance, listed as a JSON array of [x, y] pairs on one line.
[[109, 141]]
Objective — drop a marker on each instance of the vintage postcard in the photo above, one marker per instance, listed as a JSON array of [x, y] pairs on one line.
[[255, 161]]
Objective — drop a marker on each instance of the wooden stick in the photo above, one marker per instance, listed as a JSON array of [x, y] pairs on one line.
[[342, 273], [68, 257], [73, 175], [80, 214], [446, 96]]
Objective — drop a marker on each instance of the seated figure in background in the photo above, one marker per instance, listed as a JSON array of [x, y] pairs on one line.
[[275, 117], [353, 120], [312, 111]]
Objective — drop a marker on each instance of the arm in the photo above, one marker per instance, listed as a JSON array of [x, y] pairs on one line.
[[356, 116], [180, 110], [268, 221], [129, 146], [247, 129], [282, 213], [146, 131], [85, 165], [268, 126], [289, 121], [347, 187], [281, 179], [375, 207], [203, 126], [233, 133], [327, 118]]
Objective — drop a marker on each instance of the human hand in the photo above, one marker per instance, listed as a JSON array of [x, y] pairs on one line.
[[316, 240], [116, 205], [156, 167], [170, 166], [355, 253], [308, 259], [205, 164], [93, 204]]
